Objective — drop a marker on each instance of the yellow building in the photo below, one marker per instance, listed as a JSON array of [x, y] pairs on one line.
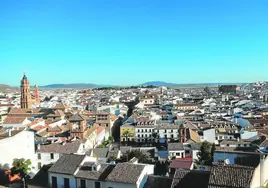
[[127, 133]]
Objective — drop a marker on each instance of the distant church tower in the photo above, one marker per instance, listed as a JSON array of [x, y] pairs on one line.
[[36, 95], [25, 100]]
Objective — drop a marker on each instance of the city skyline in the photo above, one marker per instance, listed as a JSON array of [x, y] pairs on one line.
[[129, 43]]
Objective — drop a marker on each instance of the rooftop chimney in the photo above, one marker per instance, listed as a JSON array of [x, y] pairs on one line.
[[9, 132]]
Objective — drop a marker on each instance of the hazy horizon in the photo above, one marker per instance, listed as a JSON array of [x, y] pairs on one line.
[[132, 42]]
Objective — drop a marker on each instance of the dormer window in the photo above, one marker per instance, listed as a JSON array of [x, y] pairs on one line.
[[92, 166]]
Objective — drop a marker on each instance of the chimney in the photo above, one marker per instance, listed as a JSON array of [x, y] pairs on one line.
[[9, 132], [236, 120], [262, 166]]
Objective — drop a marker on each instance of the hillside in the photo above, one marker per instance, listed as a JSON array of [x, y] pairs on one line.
[[73, 86], [5, 88], [174, 85]]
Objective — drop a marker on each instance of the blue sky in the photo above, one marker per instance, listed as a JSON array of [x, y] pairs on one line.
[[130, 42]]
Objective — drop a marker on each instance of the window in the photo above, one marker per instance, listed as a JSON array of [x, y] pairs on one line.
[[138, 135], [110, 187], [171, 131], [178, 154], [39, 155], [83, 183], [228, 145], [172, 136], [146, 130], [97, 184], [138, 130], [52, 156], [66, 183], [54, 182], [94, 168], [39, 165]]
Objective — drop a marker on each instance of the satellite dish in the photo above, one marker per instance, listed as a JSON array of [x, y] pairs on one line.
[[227, 161]]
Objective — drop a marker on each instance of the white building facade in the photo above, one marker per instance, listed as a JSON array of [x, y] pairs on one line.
[[20, 145]]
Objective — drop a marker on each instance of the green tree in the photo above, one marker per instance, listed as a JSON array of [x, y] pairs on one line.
[[207, 90], [111, 139], [155, 136], [87, 107], [205, 156], [213, 148], [143, 158], [23, 165]]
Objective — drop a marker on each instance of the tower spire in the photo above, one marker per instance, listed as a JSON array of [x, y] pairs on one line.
[[25, 93]]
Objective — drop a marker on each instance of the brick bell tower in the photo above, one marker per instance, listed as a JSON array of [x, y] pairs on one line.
[[36, 95], [25, 100]]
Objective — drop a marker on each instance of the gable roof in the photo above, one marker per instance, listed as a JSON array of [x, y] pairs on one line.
[[193, 135], [187, 178], [230, 176], [175, 146], [185, 164], [264, 143], [14, 120], [68, 148], [126, 173], [24, 111], [77, 117], [67, 164], [158, 182], [218, 177], [60, 106], [100, 152], [100, 175]]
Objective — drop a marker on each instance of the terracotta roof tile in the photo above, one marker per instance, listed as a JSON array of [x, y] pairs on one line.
[[14, 120]]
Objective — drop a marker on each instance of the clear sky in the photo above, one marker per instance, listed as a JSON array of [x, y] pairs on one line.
[[133, 41]]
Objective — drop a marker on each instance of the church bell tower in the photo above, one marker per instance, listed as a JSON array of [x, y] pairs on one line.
[[25, 100]]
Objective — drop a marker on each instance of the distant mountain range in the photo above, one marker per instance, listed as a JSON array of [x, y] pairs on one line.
[[167, 84], [4, 87], [158, 83], [73, 86]]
